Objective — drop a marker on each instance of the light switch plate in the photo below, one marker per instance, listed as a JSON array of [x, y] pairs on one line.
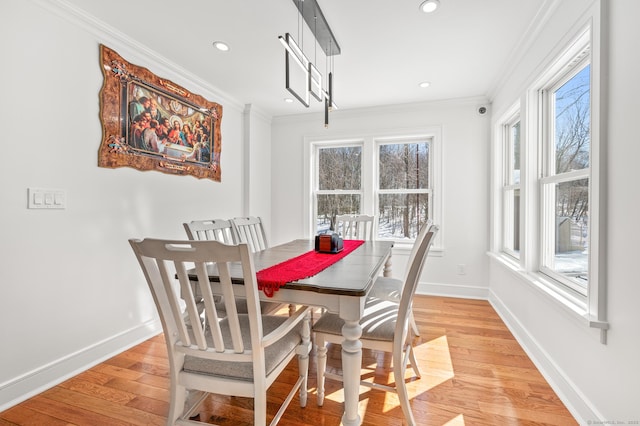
[[41, 198]]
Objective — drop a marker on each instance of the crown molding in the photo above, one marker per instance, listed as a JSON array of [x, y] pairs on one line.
[[128, 47], [382, 109]]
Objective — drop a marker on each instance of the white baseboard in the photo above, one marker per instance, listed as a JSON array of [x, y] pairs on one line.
[[36, 381], [567, 391], [450, 290]]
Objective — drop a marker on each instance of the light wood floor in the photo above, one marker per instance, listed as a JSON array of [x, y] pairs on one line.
[[473, 373]]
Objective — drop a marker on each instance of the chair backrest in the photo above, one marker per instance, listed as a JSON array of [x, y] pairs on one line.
[[251, 231], [421, 235], [414, 270], [213, 229], [163, 260], [355, 226]]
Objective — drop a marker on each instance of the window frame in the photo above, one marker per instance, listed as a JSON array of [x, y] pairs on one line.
[[549, 178], [370, 157], [402, 140], [315, 178], [590, 307], [508, 186]]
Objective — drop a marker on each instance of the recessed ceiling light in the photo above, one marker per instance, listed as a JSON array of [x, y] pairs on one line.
[[288, 100], [221, 45], [429, 6], [425, 84]]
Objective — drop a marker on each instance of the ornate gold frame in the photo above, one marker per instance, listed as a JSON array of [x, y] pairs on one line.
[[127, 130]]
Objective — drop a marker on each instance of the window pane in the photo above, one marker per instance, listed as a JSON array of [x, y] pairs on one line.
[[339, 168], [515, 153], [404, 166], [572, 230], [572, 123], [401, 215], [512, 221], [330, 205]]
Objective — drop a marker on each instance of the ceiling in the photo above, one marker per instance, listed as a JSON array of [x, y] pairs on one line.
[[387, 47]]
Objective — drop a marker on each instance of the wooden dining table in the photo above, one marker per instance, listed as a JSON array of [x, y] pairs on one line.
[[341, 288]]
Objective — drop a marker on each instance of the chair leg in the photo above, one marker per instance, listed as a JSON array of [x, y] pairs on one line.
[[178, 395], [403, 395], [414, 325], [303, 357], [260, 407], [321, 361], [414, 361]]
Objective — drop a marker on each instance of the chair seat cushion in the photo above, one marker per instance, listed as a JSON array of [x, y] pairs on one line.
[[274, 354], [387, 288], [378, 321]]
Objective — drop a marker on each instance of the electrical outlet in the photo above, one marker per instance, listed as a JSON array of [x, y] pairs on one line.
[[462, 269]]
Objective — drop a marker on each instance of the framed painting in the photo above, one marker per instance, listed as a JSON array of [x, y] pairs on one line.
[[150, 123]]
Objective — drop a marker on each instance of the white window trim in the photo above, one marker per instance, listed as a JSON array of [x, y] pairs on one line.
[[591, 311], [370, 143], [513, 116]]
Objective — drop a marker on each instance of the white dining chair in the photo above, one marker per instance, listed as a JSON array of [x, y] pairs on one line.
[[235, 354], [250, 230], [212, 229], [389, 288], [222, 230], [385, 327], [355, 226]]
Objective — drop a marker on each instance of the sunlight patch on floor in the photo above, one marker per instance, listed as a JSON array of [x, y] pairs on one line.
[[456, 421], [435, 362], [435, 365]]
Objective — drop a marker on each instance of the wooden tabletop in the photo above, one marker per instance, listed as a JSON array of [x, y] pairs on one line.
[[352, 275]]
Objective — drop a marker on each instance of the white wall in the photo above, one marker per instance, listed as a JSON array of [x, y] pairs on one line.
[[465, 147], [598, 382], [71, 292], [257, 166]]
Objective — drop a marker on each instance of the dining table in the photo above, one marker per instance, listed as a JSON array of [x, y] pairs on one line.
[[341, 288]]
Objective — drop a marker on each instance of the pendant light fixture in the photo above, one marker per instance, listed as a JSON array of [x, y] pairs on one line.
[[302, 78]]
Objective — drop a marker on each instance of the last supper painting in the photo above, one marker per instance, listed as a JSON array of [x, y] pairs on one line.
[[151, 123]]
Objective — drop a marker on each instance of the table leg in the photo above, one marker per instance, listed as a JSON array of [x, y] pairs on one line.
[[387, 267], [351, 365]]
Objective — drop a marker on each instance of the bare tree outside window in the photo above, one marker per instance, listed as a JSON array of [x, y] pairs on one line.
[[397, 188], [403, 201], [570, 187], [339, 184]]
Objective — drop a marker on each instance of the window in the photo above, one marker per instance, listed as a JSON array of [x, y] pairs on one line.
[[403, 188], [393, 177], [339, 178], [511, 187], [564, 192], [549, 181]]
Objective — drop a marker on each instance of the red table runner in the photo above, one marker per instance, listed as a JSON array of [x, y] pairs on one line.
[[306, 265]]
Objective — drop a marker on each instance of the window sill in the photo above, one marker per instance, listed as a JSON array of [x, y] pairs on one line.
[[570, 304], [405, 247]]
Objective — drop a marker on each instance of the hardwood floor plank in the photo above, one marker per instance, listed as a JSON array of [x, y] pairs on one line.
[[21, 415], [102, 407], [99, 391], [474, 372], [138, 388], [150, 405], [70, 413]]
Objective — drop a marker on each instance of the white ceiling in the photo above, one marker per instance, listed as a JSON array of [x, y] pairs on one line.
[[387, 46]]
